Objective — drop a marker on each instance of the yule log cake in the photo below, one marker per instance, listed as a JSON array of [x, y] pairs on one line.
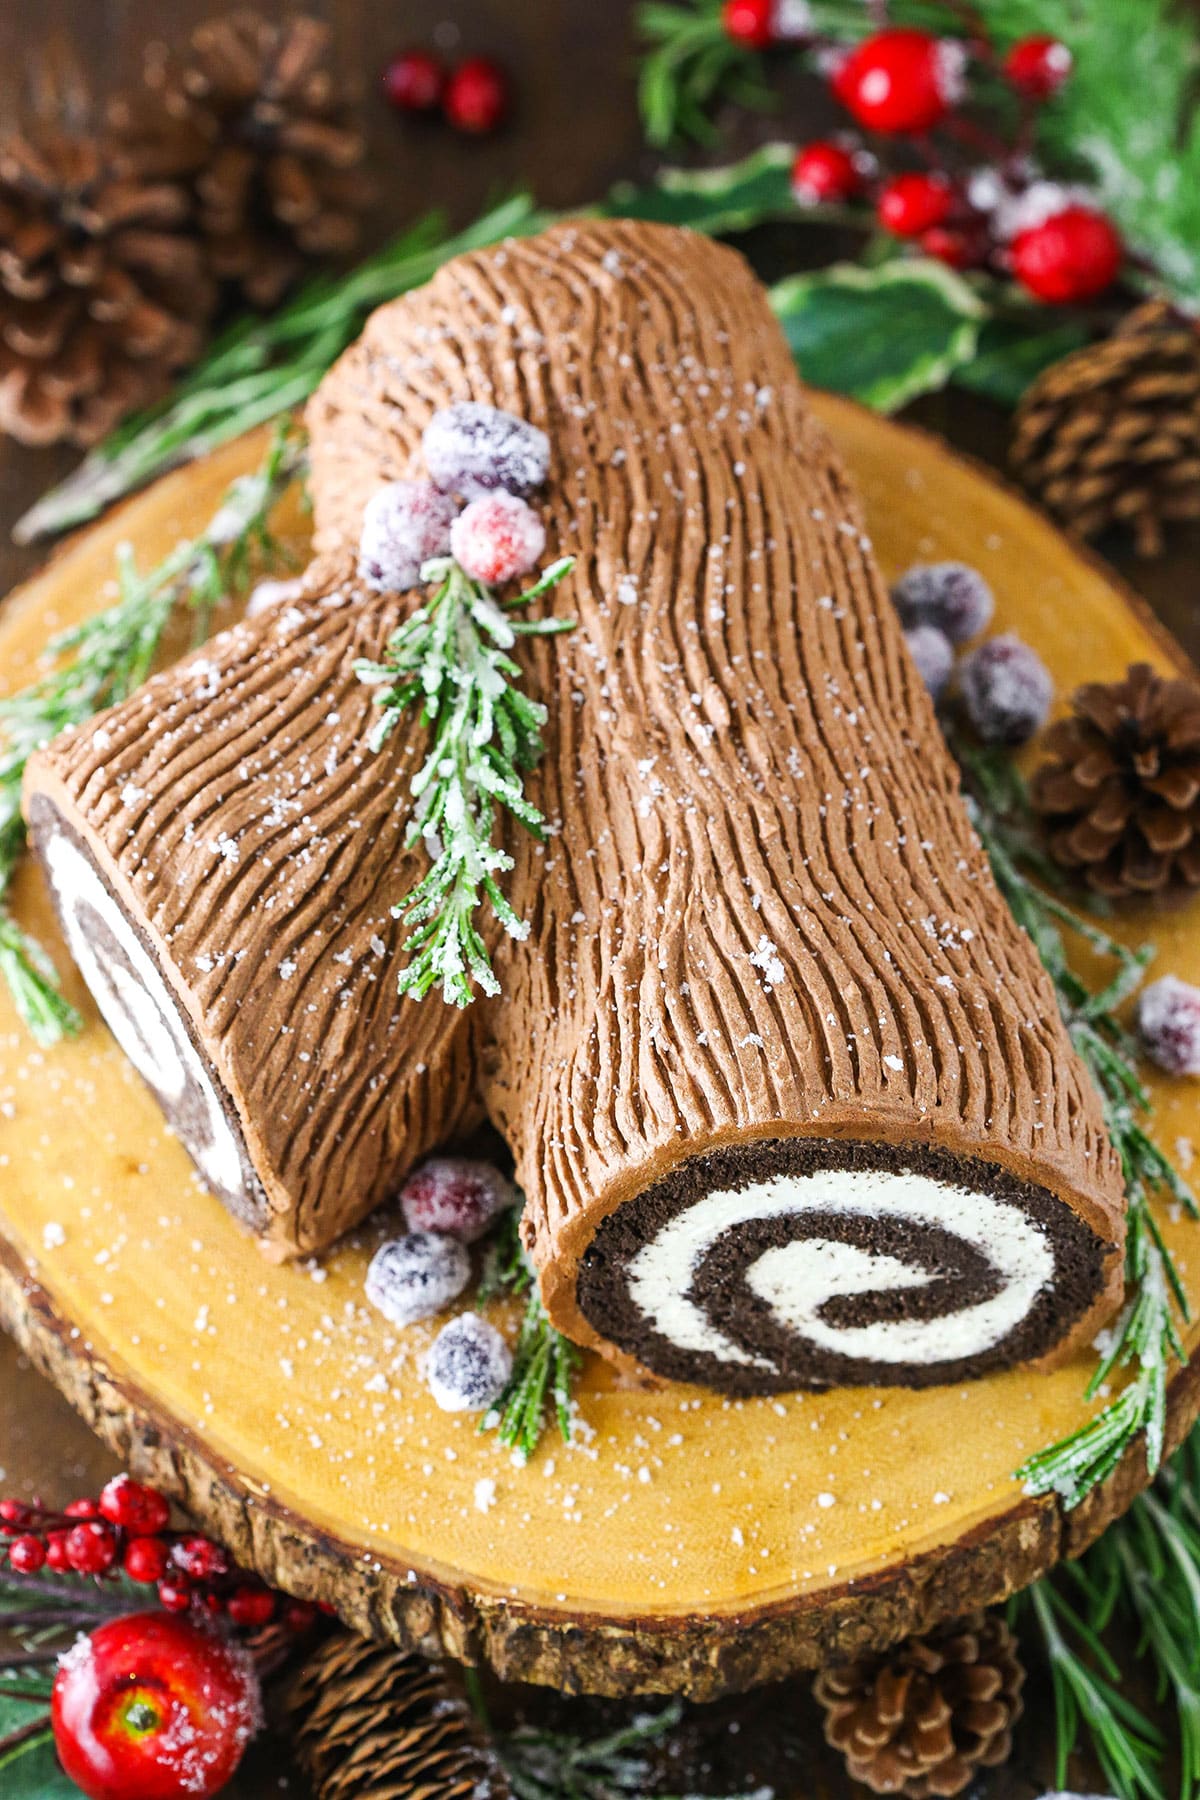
[[786, 1088]]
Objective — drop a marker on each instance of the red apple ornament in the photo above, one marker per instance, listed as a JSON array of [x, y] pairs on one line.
[[151, 1707]]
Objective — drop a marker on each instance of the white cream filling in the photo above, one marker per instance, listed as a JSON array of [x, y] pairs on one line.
[[797, 1280], [137, 1008]]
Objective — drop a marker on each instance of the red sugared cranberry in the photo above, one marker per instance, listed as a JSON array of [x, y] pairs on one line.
[[497, 538], [175, 1593], [153, 1708], [135, 1508], [14, 1516], [199, 1558], [1168, 1018], [900, 80], [146, 1559], [250, 1607], [1071, 256], [477, 97], [56, 1552], [27, 1555], [457, 1196], [91, 1548], [414, 82], [824, 173], [911, 204], [81, 1509], [1037, 66]]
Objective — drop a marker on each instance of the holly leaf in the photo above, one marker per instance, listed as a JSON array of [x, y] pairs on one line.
[[882, 335], [1011, 355], [734, 197], [31, 1772]]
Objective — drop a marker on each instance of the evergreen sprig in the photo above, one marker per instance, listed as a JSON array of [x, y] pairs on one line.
[[690, 62], [1145, 1339], [545, 1364], [99, 662], [450, 659], [1138, 1585]]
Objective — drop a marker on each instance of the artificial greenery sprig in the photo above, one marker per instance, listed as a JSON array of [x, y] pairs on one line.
[[100, 661], [545, 1363], [1145, 1339], [451, 660]]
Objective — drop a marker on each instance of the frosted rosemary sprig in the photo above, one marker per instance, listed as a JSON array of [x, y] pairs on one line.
[[1145, 1339], [451, 659], [554, 1765], [99, 662], [545, 1363]]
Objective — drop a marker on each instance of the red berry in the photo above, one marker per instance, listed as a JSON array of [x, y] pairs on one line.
[[250, 1607], [1037, 66], [14, 1516], [749, 22], [1168, 1018], [81, 1509], [457, 1196], [911, 204], [91, 1548], [1073, 255], [824, 172], [127, 1503], [497, 538], [175, 1593], [477, 96], [27, 1555], [414, 82], [153, 1708], [200, 1558], [956, 246], [300, 1616], [145, 1559], [56, 1552], [900, 80]]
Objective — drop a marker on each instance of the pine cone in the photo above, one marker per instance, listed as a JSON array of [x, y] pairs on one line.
[[1120, 797], [1110, 436], [103, 293], [369, 1723], [922, 1719], [252, 119]]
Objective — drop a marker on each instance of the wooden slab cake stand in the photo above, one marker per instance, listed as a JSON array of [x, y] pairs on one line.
[[686, 1542]]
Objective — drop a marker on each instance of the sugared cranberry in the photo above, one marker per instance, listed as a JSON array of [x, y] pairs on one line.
[[749, 22], [497, 538], [455, 1195], [250, 1607], [199, 1558], [136, 1508], [56, 1552], [477, 97], [405, 524], [474, 449], [468, 1366], [1006, 689], [1037, 66], [824, 173], [1168, 1018], [27, 1555], [175, 1593], [1071, 256], [952, 596], [900, 80], [91, 1548], [153, 1708], [412, 1277], [933, 654], [911, 204], [81, 1509], [14, 1516], [145, 1559], [414, 82]]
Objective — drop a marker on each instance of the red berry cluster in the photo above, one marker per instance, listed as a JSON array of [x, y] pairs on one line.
[[127, 1530], [475, 96], [976, 200]]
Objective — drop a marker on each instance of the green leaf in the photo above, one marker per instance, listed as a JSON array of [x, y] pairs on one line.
[[1011, 355], [733, 197], [882, 335], [33, 1773]]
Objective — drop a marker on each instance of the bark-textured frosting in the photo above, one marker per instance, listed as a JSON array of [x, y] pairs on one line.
[[762, 916]]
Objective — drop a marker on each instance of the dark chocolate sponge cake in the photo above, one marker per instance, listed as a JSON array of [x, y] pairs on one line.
[[787, 1088]]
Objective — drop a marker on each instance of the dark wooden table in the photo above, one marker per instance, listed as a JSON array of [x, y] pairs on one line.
[[575, 131]]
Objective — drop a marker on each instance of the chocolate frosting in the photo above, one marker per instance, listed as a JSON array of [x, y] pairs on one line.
[[762, 913]]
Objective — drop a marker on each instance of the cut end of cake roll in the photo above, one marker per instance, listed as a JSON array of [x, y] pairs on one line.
[[797, 1263], [141, 1008]]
